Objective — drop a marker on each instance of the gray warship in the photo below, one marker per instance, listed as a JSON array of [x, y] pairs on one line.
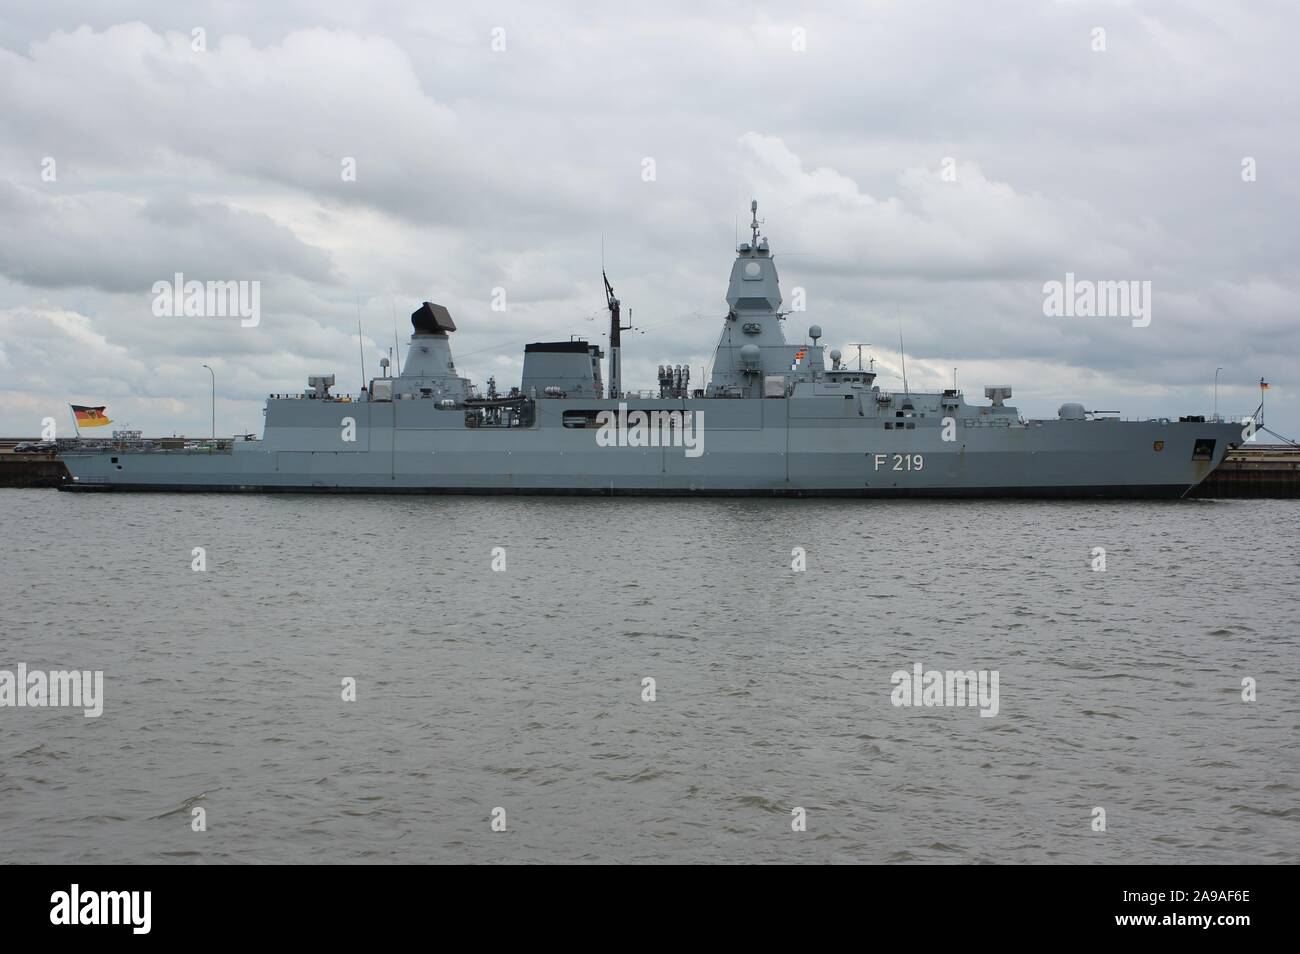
[[773, 419]]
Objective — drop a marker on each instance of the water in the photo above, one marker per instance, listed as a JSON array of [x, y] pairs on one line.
[[522, 689]]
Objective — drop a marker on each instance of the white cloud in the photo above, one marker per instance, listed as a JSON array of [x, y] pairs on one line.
[[477, 169]]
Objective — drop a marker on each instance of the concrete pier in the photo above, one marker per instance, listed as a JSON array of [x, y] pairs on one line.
[[1257, 470], [30, 470]]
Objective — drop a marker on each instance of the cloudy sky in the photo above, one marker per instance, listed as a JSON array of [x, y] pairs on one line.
[[929, 164]]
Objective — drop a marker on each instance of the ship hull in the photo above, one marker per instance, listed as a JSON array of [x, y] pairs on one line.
[[778, 448], [1081, 492]]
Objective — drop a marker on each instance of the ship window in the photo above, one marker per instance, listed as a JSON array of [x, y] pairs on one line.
[[889, 425], [1204, 450], [115, 460], [911, 426]]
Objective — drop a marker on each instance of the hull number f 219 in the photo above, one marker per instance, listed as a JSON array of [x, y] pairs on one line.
[[900, 461]]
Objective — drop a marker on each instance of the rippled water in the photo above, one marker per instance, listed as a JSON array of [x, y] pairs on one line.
[[522, 689]]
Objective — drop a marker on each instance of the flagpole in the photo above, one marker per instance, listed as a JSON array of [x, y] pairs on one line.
[[74, 422]]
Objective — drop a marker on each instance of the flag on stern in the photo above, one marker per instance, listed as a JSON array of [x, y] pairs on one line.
[[90, 416]]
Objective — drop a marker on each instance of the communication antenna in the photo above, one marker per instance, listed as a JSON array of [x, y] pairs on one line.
[[397, 348], [361, 348], [902, 356], [859, 345]]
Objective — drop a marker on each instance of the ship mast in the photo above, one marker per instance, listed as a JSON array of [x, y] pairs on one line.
[[615, 326]]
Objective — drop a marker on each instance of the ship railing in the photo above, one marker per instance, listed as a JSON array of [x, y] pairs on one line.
[[160, 445], [655, 395], [328, 399]]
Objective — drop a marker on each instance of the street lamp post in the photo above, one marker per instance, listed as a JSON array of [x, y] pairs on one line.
[[214, 405], [1216, 393]]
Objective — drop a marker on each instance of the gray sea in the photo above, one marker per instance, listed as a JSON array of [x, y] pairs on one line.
[[519, 694]]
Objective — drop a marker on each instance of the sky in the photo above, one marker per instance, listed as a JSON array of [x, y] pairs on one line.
[[923, 169]]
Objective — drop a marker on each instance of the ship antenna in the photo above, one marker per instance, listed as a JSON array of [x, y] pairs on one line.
[[753, 208], [397, 347], [361, 348], [902, 355], [859, 345]]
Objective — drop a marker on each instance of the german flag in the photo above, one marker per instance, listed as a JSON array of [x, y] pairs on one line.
[[90, 416]]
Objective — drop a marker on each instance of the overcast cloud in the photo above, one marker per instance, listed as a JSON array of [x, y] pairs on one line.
[[479, 168]]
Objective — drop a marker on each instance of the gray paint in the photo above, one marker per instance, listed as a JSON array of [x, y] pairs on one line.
[[831, 431]]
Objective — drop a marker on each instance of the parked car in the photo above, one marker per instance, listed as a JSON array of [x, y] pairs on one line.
[[26, 447]]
